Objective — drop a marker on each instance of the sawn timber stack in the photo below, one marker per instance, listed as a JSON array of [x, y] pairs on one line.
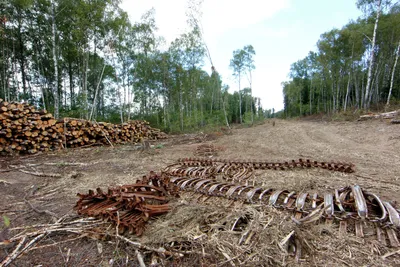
[[23, 129]]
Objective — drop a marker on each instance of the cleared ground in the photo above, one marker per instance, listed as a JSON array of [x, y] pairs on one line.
[[203, 225]]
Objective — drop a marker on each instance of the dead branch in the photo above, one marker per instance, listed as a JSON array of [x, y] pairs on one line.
[[44, 212], [159, 250], [70, 163], [16, 252], [41, 174], [140, 259], [93, 221], [58, 243], [389, 254]]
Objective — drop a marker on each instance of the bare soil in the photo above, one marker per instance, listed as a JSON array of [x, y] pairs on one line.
[[203, 225]]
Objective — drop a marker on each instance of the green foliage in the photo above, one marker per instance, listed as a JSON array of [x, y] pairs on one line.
[[333, 78], [159, 146], [115, 69], [6, 221]]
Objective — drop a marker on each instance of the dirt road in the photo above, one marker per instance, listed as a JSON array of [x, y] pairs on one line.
[[373, 146]]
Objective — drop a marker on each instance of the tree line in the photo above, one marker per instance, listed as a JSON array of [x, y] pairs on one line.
[[85, 59], [355, 67]]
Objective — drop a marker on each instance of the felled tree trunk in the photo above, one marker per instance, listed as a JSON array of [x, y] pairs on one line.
[[386, 115]]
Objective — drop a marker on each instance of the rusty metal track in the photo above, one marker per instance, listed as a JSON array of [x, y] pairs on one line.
[[348, 205], [264, 165], [129, 206], [241, 170], [206, 150]]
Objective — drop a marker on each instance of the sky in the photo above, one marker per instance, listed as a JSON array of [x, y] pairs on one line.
[[281, 33]]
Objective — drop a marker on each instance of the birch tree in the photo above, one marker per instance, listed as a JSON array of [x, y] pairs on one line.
[[76, 56], [55, 61], [393, 72], [238, 65], [249, 66], [374, 6]]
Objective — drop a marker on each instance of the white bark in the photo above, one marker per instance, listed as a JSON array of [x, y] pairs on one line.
[[129, 96], [393, 71], [372, 57], [310, 98], [348, 82], [226, 117], [347, 93], [180, 106], [121, 108], [55, 83], [357, 88], [240, 102], [251, 96], [97, 91], [84, 86]]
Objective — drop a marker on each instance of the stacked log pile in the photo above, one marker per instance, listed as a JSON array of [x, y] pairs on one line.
[[27, 130], [23, 129], [82, 132]]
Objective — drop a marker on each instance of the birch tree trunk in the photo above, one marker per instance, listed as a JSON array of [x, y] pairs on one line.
[[251, 97], [348, 82], [310, 98], [300, 104], [84, 85], [129, 99], [240, 103], [96, 92], [53, 39], [337, 94], [180, 108], [393, 71], [374, 89], [357, 90], [226, 117], [121, 102], [333, 96], [362, 90], [372, 58], [347, 93]]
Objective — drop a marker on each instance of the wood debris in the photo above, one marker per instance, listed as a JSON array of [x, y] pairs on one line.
[[386, 115]]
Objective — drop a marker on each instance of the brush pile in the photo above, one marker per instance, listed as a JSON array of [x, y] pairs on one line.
[[23, 129]]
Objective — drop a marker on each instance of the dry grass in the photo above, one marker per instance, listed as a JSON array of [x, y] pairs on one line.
[[229, 233]]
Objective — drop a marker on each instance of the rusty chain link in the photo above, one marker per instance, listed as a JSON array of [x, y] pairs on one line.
[[264, 165]]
